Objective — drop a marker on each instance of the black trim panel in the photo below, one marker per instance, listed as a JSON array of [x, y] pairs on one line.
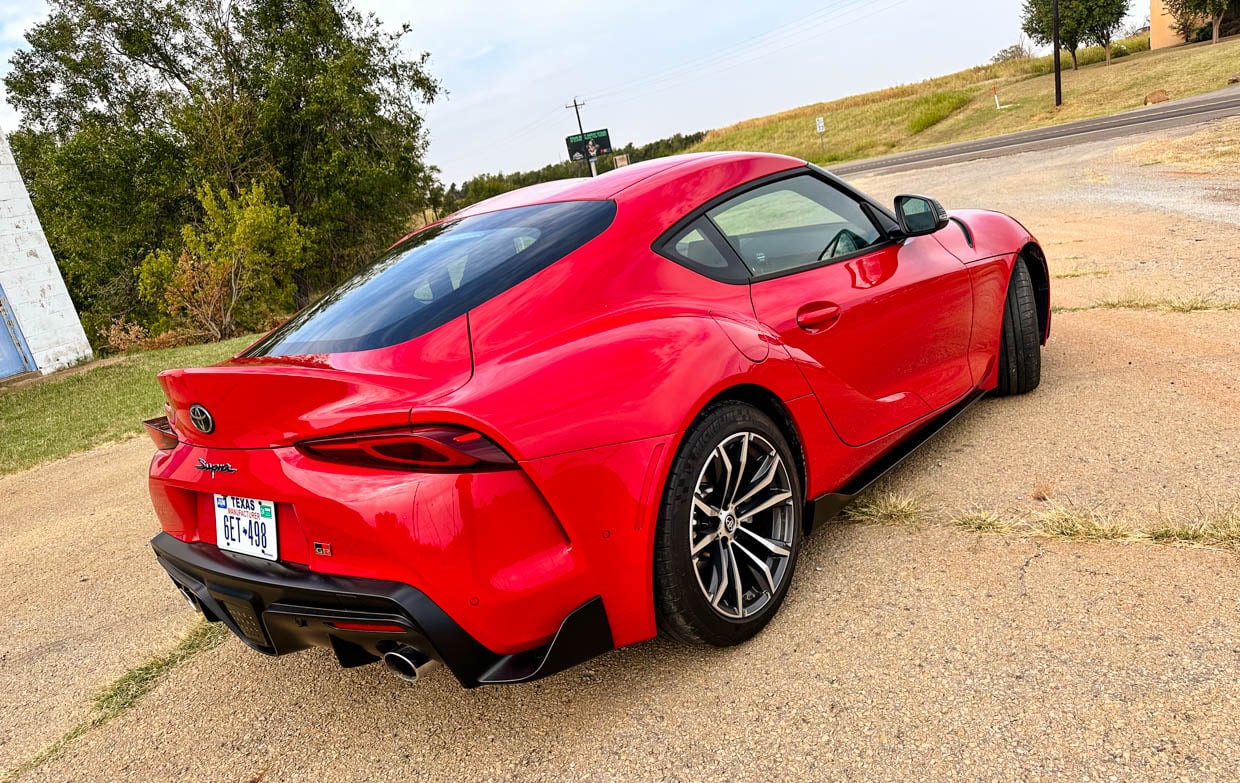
[[828, 506], [278, 609]]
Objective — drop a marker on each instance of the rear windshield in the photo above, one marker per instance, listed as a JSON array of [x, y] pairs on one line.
[[437, 275]]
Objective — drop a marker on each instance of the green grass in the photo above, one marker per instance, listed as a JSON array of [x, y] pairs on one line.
[[937, 107], [124, 693], [90, 406], [961, 106]]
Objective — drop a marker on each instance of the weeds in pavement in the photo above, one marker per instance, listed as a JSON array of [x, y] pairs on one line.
[[980, 521], [1220, 528], [886, 508], [1075, 273], [1079, 525], [124, 693], [1178, 304]]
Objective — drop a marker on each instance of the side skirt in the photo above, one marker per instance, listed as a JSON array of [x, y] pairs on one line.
[[825, 508]]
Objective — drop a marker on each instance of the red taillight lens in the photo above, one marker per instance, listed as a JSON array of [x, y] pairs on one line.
[[423, 449], [161, 433]]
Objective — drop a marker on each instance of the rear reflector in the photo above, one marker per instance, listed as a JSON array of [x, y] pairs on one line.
[[161, 433], [370, 627], [437, 449]]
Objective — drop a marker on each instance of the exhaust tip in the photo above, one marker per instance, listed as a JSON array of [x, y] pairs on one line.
[[409, 663]]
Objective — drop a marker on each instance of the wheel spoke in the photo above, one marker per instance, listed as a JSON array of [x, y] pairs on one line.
[[771, 546], [723, 577], [736, 579], [722, 455], [770, 502], [757, 561], [706, 541], [705, 507], [766, 477], [730, 498]]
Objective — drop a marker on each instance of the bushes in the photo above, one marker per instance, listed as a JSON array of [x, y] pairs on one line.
[[235, 270]]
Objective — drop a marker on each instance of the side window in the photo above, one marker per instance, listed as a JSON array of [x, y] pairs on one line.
[[694, 248], [793, 224]]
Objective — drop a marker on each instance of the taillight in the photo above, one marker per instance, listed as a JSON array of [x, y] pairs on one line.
[[437, 449], [161, 433]]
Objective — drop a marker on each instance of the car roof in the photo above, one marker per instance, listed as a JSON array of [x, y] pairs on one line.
[[627, 182]]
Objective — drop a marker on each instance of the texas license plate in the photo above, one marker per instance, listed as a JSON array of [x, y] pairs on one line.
[[247, 526]]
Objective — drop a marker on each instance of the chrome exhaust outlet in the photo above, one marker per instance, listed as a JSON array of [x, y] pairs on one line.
[[408, 663]]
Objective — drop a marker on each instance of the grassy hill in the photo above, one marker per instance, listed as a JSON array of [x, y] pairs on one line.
[[961, 107]]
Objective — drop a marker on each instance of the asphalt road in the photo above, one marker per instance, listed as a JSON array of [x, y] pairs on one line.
[[1173, 114]]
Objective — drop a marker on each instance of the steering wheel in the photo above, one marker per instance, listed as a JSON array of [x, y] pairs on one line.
[[843, 243]]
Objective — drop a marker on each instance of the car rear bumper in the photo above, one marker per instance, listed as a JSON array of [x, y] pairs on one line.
[[277, 608]]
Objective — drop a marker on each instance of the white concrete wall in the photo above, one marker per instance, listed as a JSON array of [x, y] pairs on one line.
[[32, 284]]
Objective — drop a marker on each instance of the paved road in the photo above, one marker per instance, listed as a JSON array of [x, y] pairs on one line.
[[1173, 114]]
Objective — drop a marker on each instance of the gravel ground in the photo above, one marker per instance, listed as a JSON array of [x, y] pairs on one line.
[[914, 653]]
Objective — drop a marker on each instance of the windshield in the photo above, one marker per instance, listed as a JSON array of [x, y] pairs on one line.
[[437, 275]]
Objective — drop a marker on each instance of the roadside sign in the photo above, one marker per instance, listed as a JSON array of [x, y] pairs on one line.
[[590, 144], [822, 126], [620, 161]]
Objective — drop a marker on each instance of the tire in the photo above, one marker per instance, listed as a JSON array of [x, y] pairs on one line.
[[1020, 351], [766, 487]]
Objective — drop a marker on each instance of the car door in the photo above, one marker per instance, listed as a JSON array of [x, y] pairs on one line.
[[880, 328]]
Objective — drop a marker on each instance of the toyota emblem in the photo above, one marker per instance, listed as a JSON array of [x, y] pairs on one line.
[[201, 418]]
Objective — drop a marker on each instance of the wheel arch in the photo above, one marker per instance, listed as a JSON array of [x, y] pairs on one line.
[[769, 403], [1035, 261]]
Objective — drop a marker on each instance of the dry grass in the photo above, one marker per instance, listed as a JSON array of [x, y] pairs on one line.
[[1080, 525], [1213, 150], [1219, 527], [885, 508], [1077, 273], [981, 521], [1178, 304], [883, 122]]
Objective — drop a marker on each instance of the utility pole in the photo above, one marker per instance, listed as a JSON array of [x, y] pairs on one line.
[[576, 106], [1055, 43]]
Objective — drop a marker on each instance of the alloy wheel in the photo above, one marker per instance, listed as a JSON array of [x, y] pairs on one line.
[[741, 525]]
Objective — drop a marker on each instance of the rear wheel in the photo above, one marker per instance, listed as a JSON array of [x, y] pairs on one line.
[[1020, 352], [729, 528]]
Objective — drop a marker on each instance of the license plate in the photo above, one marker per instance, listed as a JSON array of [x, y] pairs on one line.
[[247, 526]]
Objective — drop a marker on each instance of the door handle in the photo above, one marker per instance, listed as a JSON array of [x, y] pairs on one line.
[[818, 316]]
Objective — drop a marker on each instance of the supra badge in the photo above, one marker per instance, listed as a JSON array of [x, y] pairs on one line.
[[215, 467], [201, 418]]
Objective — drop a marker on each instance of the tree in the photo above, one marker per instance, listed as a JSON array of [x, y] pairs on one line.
[[1101, 20], [1017, 51], [1038, 23], [234, 270], [130, 107], [1188, 15]]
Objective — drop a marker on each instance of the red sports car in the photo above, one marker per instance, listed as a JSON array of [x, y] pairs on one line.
[[570, 416]]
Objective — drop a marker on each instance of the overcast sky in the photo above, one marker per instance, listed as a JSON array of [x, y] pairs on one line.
[[649, 68]]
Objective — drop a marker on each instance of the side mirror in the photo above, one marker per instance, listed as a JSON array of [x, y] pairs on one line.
[[919, 215]]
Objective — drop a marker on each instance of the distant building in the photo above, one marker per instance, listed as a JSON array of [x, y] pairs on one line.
[[1162, 27], [39, 327], [1162, 24]]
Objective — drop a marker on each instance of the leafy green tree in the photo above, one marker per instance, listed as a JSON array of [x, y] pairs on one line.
[[1037, 20], [130, 106], [1102, 20], [235, 270], [1188, 15], [1080, 22]]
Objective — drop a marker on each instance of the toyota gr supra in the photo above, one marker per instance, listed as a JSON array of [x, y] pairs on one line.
[[565, 418]]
